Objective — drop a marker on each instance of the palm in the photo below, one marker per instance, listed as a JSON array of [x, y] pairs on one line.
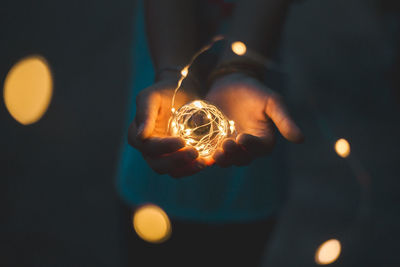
[[148, 132], [164, 112], [254, 108], [244, 102]]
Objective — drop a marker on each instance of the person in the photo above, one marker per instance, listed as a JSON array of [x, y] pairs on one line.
[[235, 197]]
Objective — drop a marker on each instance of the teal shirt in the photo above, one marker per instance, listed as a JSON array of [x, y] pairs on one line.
[[215, 195]]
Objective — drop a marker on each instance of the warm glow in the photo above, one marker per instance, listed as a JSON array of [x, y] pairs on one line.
[[202, 126], [239, 48], [184, 71], [28, 89], [152, 224], [342, 148], [197, 104], [232, 126], [328, 252]]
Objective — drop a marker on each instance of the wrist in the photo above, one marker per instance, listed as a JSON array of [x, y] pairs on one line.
[[174, 74], [241, 67], [167, 73]]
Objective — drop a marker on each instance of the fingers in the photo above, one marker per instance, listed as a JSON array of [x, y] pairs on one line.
[[243, 150], [276, 110], [169, 155], [256, 146], [179, 163], [157, 146], [196, 166], [232, 153], [154, 146], [147, 107]]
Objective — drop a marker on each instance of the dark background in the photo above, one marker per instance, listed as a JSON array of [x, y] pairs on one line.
[[57, 195], [58, 204]]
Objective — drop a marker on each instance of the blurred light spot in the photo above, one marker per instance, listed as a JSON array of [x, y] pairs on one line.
[[328, 252], [239, 48], [152, 224], [342, 148], [28, 88]]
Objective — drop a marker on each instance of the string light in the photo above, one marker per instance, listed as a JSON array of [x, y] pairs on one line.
[[202, 126], [185, 70]]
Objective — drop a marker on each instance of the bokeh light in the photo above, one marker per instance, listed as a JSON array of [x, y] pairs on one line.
[[28, 88], [328, 252], [239, 48], [342, 148], [152, 224]]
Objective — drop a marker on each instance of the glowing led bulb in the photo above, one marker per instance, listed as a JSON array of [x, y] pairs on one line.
[[232, 126], [185, 71], [202, 126], [197, 103]]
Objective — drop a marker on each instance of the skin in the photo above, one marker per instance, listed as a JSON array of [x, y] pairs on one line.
[[233, 94], [255, 110], [172, 41], [148, 131]]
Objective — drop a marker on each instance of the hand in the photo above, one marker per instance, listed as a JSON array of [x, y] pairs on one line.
[[255, 109], [148, 131]]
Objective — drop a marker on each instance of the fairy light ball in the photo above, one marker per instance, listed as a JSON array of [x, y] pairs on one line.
[[202, 126]]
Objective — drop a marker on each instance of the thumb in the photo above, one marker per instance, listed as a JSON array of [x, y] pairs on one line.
[[147, 106], [276, 110]]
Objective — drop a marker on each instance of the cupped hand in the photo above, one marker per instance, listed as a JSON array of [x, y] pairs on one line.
[[255, 109], [148, 132]]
